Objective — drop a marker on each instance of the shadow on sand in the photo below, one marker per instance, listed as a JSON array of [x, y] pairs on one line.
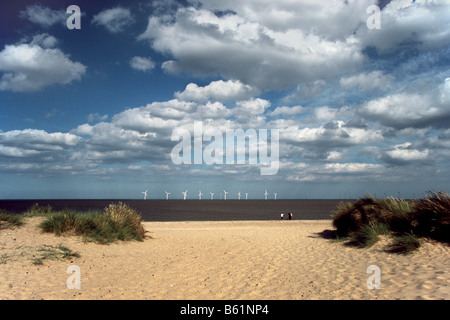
[[326, 234]]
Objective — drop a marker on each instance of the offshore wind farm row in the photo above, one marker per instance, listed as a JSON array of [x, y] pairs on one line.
[[225, 193]]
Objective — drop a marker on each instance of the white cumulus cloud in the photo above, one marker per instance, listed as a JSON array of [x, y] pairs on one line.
[[230, 90], [405, 153], [114, 20], [411, 109], [43, 16], [420, 24], [365, 82], [142, 63], [236, 47], [32, 67]]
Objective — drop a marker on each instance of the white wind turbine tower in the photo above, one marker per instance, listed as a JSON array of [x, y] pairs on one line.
[[212, 195], [145, 194], [225, 194], [246, 196], [184, 194], [265, 195], [167, 195], [200, 195], [275, 194], [239, 195]]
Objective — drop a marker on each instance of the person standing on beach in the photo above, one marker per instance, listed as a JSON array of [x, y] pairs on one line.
[[290, 215], [282, 216]]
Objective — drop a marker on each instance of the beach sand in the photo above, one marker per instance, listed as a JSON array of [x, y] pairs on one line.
[[254, 260]]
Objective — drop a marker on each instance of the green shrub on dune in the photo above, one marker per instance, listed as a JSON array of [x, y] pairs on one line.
[[361, 222], [39, 210], [8, 220], [60, 222], [431, 217], [117, 222], [404, 244], [351, 217], [127, 220]]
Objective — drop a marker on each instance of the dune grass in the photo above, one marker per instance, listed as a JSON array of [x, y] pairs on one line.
[[360, 223], [367, 235], [404, 244], [8, 220], [38, 210], [116, 222], [54, 253]]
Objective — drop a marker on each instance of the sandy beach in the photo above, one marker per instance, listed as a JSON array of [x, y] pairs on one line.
[[233, 260]]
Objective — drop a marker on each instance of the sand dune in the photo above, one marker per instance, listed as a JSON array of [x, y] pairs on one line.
[[267, 260]]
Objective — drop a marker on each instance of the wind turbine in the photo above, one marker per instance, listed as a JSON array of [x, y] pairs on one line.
[[167, 195], [246, 196], [225, 194], [212, 195], [275, 194], [145, 194], [184, 194], [200, 195], [239, 195], [265, 195]]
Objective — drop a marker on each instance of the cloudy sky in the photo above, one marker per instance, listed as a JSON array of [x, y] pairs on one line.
[[90, 112]]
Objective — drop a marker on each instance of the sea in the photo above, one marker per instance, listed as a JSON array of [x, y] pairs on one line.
[[193, 210]]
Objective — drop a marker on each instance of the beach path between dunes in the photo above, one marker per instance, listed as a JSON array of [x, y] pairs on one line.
[[222, 260]]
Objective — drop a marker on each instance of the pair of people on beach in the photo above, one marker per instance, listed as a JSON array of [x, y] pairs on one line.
[[289, 216]]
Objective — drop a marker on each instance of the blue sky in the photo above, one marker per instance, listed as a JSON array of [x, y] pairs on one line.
[[90, 112]]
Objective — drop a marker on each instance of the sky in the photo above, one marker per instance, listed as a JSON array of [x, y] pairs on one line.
[[355, 100]]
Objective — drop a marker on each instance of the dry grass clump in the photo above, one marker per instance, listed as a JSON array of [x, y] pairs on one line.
[[351, 217], [54, 253], [361, 223], [39, 210], [431, 217], [117, 222], [9, 220], [127, 218]]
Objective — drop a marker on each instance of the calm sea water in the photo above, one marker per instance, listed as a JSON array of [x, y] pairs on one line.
[[195, 210]]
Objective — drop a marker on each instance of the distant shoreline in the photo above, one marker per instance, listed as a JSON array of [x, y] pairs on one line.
[[193, 210]]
